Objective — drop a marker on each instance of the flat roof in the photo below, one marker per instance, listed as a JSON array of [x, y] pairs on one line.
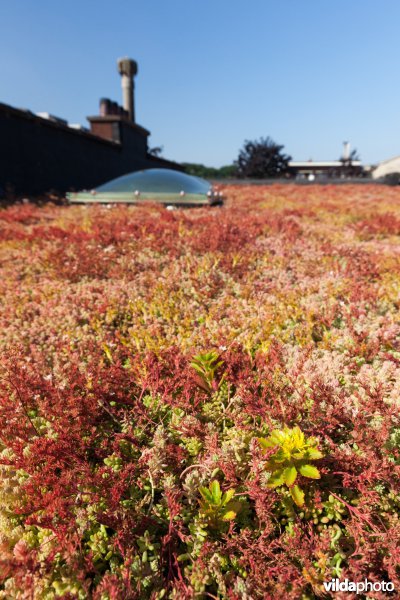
[[320, 163]]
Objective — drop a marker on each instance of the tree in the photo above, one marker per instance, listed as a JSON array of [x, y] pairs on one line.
[[200, 170], [262, 158], [227, 171]]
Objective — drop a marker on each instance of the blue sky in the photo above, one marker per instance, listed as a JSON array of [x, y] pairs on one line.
[[308, 73]]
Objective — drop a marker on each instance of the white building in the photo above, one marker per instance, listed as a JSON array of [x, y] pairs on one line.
[[392, 165]]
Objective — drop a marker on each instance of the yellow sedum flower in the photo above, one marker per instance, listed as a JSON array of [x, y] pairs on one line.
[[293, 455]]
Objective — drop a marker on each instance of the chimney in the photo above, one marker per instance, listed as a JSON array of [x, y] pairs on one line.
[[346, 150], [128, 68], [104, 107]]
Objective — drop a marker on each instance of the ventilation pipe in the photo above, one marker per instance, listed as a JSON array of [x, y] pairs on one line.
[[346, 150], [128, 68]]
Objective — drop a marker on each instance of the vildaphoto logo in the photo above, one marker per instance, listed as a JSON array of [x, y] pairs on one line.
[[359, 587]]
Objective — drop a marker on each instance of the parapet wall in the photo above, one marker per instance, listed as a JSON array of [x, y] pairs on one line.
[[38, 155]]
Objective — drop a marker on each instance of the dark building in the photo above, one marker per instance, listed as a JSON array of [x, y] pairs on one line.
[[41, 153]]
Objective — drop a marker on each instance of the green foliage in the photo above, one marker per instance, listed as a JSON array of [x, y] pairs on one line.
[[214, 409], [217, 507], [100, 544], [192, 445], [393, 445], [146, 563], [292, 457], [206, 365], [262, 158], [66, 588], [114, 462], [200, 170]]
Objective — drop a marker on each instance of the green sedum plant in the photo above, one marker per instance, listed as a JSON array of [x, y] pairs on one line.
[[217, 507], [206, 366], [293, 456]]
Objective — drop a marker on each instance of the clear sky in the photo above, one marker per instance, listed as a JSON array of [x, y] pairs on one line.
[[212, 73]]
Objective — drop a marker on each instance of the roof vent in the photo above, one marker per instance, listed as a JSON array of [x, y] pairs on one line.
[[52, 118]]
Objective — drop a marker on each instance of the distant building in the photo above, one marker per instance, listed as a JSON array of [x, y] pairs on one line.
[[318, 169], [41, 152], [387, 167]]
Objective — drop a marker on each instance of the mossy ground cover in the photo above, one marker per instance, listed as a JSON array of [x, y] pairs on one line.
[[201, 403]]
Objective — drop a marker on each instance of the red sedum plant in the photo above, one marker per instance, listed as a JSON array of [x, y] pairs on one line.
[[145, 354]]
